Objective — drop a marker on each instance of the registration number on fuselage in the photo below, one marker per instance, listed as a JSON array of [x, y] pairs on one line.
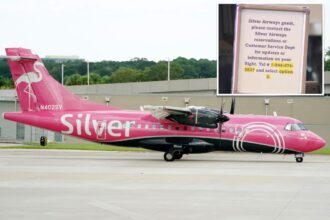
[[51, 107]]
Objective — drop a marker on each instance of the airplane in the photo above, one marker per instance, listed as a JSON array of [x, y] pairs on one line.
[[176, 131]]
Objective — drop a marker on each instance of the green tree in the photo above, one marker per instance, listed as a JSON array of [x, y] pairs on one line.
[[125, 74], [159, 71], [54, 69], [156, 72], [6, 83], [134, 70], [327, 60], [106, 79], [95, 78], [75, 79], [208, 68]]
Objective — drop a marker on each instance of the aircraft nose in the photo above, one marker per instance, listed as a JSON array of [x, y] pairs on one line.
[[316, 142], [319, 143]]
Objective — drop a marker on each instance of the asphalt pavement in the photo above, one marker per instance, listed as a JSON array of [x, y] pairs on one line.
[[56, 184]]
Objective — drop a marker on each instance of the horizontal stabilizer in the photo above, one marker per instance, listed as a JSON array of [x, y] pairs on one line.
[[18, 58]]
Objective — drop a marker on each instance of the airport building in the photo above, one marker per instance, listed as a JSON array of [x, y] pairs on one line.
[[313, 110]]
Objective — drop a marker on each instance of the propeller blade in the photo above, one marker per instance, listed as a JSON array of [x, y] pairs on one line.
[[221, 106], [232, 107], [221, 119], [220, 132]]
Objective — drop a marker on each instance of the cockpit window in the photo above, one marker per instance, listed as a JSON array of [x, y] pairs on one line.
[[302, 126], [295, 127], [288, 127]]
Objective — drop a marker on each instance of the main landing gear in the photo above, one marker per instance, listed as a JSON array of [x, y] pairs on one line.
[[299, 157], [43, 141], [174, 153]]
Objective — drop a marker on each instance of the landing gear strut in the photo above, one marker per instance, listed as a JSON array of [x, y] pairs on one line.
[[178, 155], [299, 157]]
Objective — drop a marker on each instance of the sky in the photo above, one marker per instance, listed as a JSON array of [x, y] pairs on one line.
[[119, 30]]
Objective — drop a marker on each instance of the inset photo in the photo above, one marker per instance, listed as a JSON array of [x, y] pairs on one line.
[[270, 49]]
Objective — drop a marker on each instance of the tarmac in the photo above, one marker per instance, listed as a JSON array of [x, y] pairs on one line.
[[56, 184]]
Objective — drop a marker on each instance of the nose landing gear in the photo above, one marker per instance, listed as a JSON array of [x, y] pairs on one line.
[[299, 157]]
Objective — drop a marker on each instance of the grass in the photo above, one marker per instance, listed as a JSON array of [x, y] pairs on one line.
[[325, 150], [91, 146]]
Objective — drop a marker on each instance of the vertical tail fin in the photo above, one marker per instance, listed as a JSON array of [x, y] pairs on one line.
[[37, 90]]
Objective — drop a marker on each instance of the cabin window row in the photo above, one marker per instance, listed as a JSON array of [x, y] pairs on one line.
[[185, 128]]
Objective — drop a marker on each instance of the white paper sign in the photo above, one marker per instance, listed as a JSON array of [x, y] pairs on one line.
[[270, 50]]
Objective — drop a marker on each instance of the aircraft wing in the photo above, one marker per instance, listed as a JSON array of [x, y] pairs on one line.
[[162, 112]]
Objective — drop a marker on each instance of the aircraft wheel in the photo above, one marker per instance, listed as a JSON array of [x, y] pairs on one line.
[[169, 156], [178, 155], [43, 140], [299, 157]]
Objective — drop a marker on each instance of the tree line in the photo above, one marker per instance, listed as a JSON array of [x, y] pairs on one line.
[[327, 60], [134, 70]]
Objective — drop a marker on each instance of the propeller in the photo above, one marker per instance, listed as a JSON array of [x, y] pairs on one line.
[[223, 118], [232, 107]]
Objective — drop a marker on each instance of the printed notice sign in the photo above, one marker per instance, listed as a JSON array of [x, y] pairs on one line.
[[270, 49]]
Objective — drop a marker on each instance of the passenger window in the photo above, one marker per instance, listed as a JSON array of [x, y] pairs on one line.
[[185, 128], [231, 130], [153, 126], [200, 128], [129, 124], [207, 129], [146, 126], [223, 129], [169, 127], [177, 128], [192, 128], [139, 126], [239, 130], [161, 127]]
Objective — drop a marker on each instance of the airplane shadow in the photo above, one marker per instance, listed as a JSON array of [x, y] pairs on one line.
[[193, 160]]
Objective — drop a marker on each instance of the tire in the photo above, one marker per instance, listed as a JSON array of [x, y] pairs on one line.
[[168, 156], [299, 159], [178, 155], [43, 141]]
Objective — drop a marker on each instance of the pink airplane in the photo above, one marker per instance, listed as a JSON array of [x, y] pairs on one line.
[[176, 131]]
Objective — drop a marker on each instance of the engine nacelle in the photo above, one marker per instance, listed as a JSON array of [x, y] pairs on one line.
[[200, 117]]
